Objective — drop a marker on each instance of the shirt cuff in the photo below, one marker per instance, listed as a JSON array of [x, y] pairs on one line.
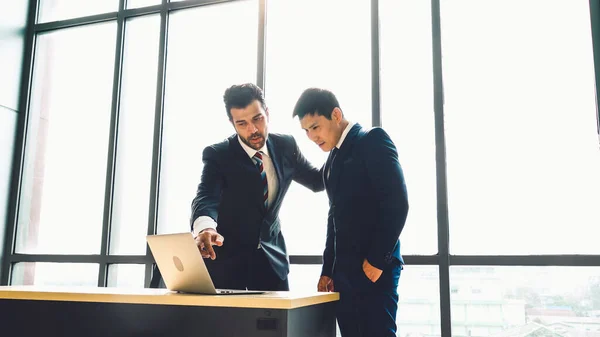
[[203, 222]]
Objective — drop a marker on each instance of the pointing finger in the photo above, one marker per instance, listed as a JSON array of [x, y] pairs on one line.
[[217, 239], [207, 246]]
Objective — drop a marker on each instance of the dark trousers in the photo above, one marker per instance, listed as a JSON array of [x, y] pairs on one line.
[[250, 271], [367, 309]]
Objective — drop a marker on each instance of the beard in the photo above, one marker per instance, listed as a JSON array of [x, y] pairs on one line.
[[251, 141]]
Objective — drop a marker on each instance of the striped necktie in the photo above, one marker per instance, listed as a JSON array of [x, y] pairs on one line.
[[258, 161]]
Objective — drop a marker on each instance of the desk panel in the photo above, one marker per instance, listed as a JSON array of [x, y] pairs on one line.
[[76, 319], [35, 311]]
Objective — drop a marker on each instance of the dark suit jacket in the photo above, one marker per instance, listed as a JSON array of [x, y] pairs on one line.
[[231, 192], [368, 203]]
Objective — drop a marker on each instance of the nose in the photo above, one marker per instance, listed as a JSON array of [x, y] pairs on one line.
[[252, 128], [312, 136]]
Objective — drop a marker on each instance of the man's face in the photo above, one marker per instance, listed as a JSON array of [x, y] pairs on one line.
[[251, 124], [322, 131]]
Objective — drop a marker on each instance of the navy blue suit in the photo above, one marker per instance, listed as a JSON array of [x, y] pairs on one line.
[[368, 209], [231, 192]]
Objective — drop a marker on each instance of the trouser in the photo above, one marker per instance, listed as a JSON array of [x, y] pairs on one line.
[[367, 309]]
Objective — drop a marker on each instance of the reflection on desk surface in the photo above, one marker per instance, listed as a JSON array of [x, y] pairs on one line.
[[272, 300]]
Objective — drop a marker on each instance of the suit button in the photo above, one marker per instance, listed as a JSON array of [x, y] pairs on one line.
[[388, 258]]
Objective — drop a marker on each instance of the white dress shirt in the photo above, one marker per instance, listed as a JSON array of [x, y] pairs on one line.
[[204, 222], [344, 134]]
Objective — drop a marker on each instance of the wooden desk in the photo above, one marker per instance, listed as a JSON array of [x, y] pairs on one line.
[[72, 311]]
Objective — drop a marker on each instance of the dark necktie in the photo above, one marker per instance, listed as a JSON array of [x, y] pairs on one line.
[[333, 154], [258, 161]]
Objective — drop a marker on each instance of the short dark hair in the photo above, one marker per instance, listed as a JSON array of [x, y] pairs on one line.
[[316, 101], [240, 96]]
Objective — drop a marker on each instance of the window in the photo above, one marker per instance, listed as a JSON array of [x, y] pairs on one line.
[[141, 3], [12, 39], [126, 275], [520, 114], [458, 311], [522, 298], [8, 123], [418, 302], [200, 66], [62, 196], [135, 137], [302, 54], [407, 113], [55, 274], [54, 10], [304, 277]]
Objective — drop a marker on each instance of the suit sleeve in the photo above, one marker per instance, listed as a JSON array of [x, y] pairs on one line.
[[385, 174], [328, 254], [206, 201], [305, 173]]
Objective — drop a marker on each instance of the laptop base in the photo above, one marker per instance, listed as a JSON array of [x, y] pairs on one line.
[[227, 292]]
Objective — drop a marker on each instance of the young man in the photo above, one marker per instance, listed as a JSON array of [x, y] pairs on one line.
[[368, 209], [244, 181]]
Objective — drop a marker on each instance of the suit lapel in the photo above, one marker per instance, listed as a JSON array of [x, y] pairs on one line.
[[276, 159], [239, 152], [337, 164]]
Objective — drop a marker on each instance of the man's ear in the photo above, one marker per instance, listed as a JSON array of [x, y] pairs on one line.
[[233, 124], [267, 113], [336, 115]]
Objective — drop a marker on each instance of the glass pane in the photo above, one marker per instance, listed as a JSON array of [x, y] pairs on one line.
[[126, 275], [55, 10], [418, 291], [419, 302], [525, 301], [200, 66], [142, 3], [8, 130], [13, 23], [62, 195], [304, 277], [520, 112], [135, 137], [321, 54], [55, 274], [407, 113]]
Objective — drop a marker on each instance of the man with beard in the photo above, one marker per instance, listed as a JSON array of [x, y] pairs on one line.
[[235, 218]]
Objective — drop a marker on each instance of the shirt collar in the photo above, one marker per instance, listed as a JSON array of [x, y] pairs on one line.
[[250, 151], [344, 134]]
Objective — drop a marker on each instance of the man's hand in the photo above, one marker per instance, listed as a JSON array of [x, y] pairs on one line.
[[206, 239], [372, 272], [325, 284]]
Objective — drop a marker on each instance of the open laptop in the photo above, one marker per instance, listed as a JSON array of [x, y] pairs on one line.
[[182, 267]]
